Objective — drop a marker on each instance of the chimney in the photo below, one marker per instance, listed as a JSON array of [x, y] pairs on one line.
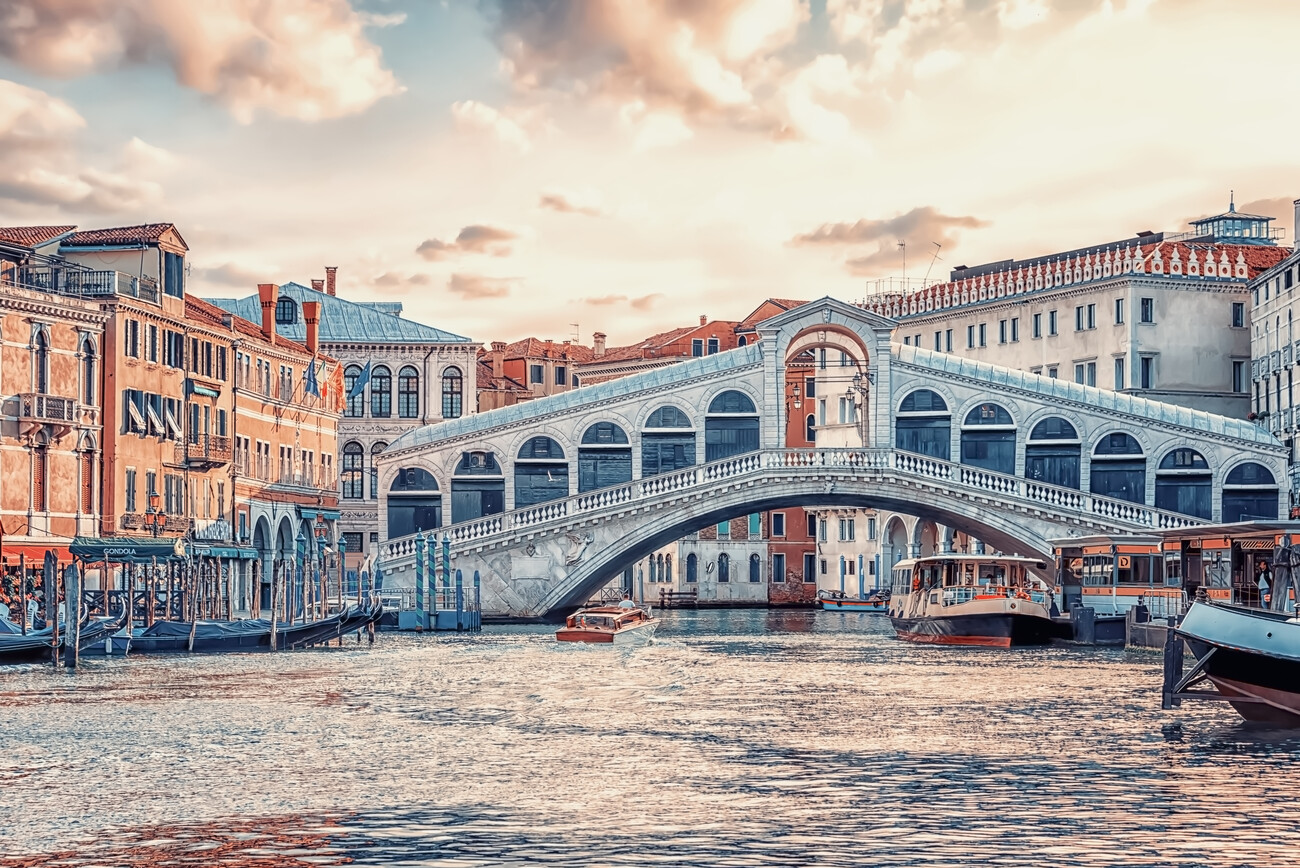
[[1295, 238], [311, 316], [318, 285], [498, 358], [598, 344], [704, 320], [330, 272], [269, 293]]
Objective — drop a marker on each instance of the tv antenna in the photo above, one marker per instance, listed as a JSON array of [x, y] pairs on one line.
[[902, 245], [937, 248], [575, 331]]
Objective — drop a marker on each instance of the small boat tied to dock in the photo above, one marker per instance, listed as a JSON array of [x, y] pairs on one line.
[[993, 601], [608, 625], [838, 601]]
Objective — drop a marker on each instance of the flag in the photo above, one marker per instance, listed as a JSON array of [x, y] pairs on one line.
[[309, 384], [360, 385]]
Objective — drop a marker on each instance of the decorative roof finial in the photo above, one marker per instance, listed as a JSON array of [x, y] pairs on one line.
[[1232, 205]]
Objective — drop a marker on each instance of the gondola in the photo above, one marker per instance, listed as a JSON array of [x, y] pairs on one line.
[[38, 646]]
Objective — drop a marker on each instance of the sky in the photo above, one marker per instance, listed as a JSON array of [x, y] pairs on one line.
[[555, 168]]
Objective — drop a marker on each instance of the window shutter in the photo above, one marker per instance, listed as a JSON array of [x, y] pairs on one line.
[[87, 483]]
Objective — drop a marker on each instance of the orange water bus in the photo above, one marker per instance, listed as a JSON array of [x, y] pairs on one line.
[[610, 625]]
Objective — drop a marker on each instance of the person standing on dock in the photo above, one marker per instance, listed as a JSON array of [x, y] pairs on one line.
[[626, 602]]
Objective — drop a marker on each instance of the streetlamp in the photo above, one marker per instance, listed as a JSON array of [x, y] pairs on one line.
[[154, 518], [322, 549], [300, 573]]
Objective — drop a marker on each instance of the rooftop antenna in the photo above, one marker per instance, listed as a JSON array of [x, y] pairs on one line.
[[575, 331], [1232, 205], [902, 245], [937, 248]]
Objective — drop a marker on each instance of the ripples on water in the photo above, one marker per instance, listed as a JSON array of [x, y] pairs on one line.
[[739, 738]]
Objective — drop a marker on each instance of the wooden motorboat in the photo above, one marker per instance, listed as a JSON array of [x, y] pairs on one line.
[[876, 601], [607, 625], [964, 599]]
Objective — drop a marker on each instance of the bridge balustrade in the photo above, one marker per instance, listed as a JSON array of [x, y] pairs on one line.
[[879, 461]]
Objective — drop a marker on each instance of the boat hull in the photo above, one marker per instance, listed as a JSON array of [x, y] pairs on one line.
[[636, 634], [877, 606], [992, 630], [1256, 659]]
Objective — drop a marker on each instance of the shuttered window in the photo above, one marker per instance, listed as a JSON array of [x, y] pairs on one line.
[[87, 482], [40, 471]]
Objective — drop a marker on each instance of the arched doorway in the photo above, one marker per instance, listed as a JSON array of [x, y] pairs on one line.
[[1119, 468], [894, 544], [478, 488], [667, 442], [1183, 484], [541, 472], [1249, 492], [1052, 453], [923, 425], [414, 502], [264, 565], [988, 439], [730, 426], [604, 457]]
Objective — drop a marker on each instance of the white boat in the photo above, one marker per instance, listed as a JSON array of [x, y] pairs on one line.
[[608, 625]]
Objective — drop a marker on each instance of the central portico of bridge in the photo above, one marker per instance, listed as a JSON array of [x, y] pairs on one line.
[[549, 499]]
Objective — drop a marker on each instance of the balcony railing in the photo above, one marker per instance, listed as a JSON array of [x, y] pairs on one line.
[[206, 449], [69, 281], [132, 521], [38, 407]]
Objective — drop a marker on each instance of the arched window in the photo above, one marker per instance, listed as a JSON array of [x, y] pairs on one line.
[[1249, 492], [668, 568], [724, 567], [923, 425], [1052, 453], [414, 502], [477, 488], [667, 442], [375, 452], [88, 388], [541, 472], [408, 393], [381, 392], [692, 568], [1183, 484], [754, 569], [40, 362], [740, 342], [730, 426], [988, 439], [1119, 469], [286, 311], [352, 477], [604, 457], [810, 428], [356, 403], [453, 389]]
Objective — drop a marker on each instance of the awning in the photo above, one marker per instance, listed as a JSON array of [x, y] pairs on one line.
[[325, 514], [204, 390], [35, 554], [234, 552], [121, 550]]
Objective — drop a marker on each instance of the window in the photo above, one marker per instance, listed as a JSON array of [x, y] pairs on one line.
[[1092, 373], [692, 568], [821, 530], [453, 388], [697, 347], [1002, 331], [1052, 372], [755, 569], [286, 312], [561, 376], [1148, 373], [713, 346], [823, 565], [724, 530], [408, 393], [1092, 316], [535, 374], [1036, 325], [356, 406], [1078, 318], [812, 526], [131, 338], [778, 524], [755, 525], [1078, 372], [1051, 322], [1052, 453], [1119, 311], [381, 392], [922, 425], [847, 530], [375, 451], [810, 387], [1119, 373], [1238, 314], [947, 340], [1148, 310], [970, 337], [983, 335], [938, 342], [724, 568], [174, 275], [871, 528], [1239, 376], [151, 346], [778, 567], [810, 428], [1015, 329], [354, 459], [809, 568], [130, 489]]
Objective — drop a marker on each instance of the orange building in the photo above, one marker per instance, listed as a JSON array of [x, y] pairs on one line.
[[51, 348], [495, 389], [543, 367]]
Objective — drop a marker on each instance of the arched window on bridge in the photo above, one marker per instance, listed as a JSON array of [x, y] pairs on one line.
[[414, 502], [988, 439], [477, 487], [755, 570], [541, 472], [604, 457], [1052, 453], [810, 428], [923, 425], [1183, 484], [730, 426], [667, 442], [724, 567], [1249, 492], [1119, 469], [692, 568]]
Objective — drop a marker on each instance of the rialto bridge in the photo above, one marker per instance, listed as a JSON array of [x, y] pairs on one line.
[[548, 500]]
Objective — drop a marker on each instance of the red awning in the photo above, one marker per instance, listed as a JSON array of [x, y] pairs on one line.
[[35, 553]]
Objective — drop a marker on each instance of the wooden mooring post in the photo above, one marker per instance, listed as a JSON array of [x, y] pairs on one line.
[[1173, 659]]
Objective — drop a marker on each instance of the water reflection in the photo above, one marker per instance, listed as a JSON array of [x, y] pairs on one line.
[[743, 737]]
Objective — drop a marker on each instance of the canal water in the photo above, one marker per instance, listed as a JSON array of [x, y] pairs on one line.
[[738, 738]]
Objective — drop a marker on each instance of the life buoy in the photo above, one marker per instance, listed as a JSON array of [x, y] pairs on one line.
[[916, 584]]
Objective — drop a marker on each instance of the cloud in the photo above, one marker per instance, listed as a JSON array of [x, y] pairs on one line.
[[380, 19], [921, 228], [646, 302], [39, 135], [476, 115], [392, 283], [641, 303], [491, 240], [228, 274], [605, 300], [586, 203], [652, 130], [473, 286], [304, 59]]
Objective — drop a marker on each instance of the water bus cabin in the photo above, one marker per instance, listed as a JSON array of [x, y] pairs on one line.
[[608, 625], [971, 599]]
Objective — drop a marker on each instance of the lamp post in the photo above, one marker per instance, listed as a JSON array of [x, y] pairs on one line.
[[300, 573], [154, 518], [322, 548]]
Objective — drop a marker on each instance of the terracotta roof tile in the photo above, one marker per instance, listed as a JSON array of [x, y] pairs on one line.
[[534, 348], [145, 233], [33, 236]]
